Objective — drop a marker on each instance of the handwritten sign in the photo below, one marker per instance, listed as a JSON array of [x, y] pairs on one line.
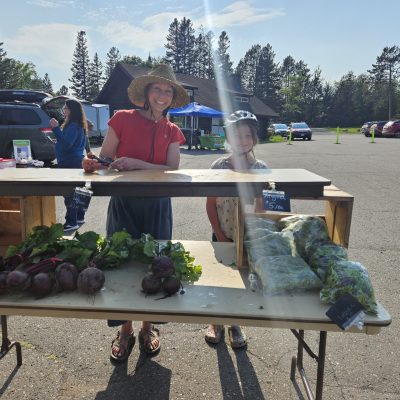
[[276, 200]]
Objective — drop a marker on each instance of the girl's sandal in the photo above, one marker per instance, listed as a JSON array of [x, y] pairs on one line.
[[237, 337], [149, 337], [214, 334], [121, 346]]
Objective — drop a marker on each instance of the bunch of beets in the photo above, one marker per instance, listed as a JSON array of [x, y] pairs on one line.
[[50, 274], [162, 276]]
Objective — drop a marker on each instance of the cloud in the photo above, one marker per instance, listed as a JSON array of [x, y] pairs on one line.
[[51, 3], [50, 46], [239, 13], [149, 35]]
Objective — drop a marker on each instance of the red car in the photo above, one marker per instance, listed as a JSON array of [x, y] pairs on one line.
[[377, 128], [391, 129]]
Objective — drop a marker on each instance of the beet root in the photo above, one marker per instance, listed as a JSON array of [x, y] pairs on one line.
[[18, 281], [162, 266], [91, 280], [42, 284], [151, 284], [171, 285], [67, 276]]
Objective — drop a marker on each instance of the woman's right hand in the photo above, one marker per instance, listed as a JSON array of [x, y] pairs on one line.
[[89, 164]]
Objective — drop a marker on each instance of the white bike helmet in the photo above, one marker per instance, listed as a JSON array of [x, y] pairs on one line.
[[240, 115]]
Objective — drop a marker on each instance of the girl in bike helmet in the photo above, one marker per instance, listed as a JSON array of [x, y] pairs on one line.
[[241, 129]]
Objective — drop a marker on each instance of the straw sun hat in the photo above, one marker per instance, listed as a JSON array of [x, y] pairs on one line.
[[161, 73]]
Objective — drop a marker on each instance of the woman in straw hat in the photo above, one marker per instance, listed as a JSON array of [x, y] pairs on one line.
[[142, 139]]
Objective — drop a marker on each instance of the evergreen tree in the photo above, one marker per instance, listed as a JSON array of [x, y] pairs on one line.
[[133, 60], [113, 58], [181, 46], [200, 55], [312, 96], [222, 55], [47, 86], [96, 79], [63, 91], [209, 55], [173, 54], [287, 71], [386, 70], [267, 78], [247, 66], [80, 68]]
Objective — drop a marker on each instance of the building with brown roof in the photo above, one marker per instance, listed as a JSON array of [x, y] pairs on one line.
[[201, 90]]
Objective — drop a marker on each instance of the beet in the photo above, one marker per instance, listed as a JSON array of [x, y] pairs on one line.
[[162, 266], [3, 282], [66, 276], [18, 281], [91, 280], [171, 285], [151, 284], [42, 284]]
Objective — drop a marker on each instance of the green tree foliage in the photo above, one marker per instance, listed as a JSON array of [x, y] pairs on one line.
[[113, 58], [247, 67], [386, 70], [180, 46], [47, 86], [222, 55], [80, 81], [63, 91], [267, 79], [96, 79]]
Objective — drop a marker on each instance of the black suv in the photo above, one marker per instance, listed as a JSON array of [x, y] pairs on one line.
[[25, 114]]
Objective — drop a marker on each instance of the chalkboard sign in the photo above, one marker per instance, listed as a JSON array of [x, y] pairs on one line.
[[276, 200], [345, 311]]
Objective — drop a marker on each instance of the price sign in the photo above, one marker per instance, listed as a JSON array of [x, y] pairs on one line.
[[276, 200], [346, 311]]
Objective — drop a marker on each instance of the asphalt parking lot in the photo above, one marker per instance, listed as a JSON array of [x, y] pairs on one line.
[[69, 358]]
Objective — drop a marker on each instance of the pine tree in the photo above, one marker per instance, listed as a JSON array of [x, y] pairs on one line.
[[386, 70], [209, 55], [47, 86], [222, 55], [63, 91], [133, 60], [287, 71], [80, 68], [267, 79], [247, 66], [96, 79], [113, 58], [180, 53]]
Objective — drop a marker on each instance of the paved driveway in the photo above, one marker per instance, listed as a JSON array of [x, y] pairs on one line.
[[68, 359]]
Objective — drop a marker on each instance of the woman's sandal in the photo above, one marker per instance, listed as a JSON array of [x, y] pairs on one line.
[[237, 337], [214, 334], [120, 352], [147, 338]]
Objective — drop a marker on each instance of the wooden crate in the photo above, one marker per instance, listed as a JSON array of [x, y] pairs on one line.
[[338, 213], [18, 215]]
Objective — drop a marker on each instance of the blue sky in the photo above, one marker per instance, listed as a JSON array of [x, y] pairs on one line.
[[336, 35]]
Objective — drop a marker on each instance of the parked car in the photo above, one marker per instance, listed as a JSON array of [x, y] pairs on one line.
[[279, 129], [300, 130], [391, 129], [376, 128], [29, 120], [365, 127]]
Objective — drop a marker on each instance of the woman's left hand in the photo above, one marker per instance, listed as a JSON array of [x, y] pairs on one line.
[[126, 164], [53, 123]]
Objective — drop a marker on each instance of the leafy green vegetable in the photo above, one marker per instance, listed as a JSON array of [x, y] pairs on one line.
[[146, 248]]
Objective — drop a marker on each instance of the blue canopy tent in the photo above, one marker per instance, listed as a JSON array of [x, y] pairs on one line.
[[195, 110]]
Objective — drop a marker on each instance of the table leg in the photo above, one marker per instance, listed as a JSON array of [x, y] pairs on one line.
[[297, 363], [6, 344]]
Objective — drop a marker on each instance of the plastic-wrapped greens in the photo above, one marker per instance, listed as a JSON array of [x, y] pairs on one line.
[[256, 233], [349, 277], [264, 223], [306, 230], [280, 274], [274, 244], [321, 254]]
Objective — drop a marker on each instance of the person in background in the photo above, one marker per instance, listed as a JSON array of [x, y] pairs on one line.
[[241, 135], [69, 149], [142, 139]]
